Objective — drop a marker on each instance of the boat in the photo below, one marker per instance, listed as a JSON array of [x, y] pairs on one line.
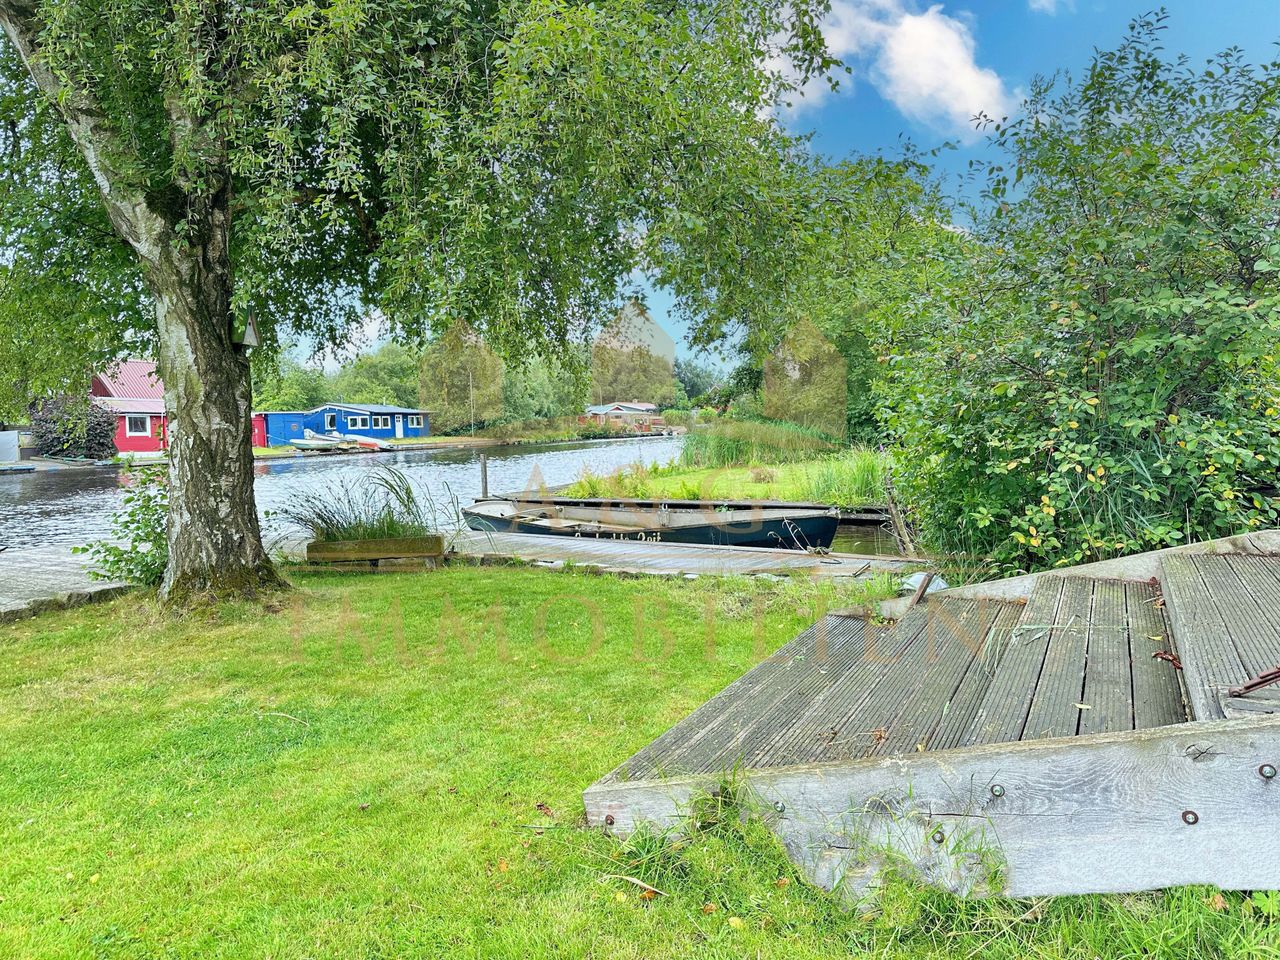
[[311, 440], [751, 526], [368, 443]]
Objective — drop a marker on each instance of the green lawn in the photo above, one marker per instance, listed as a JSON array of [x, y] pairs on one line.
[[370, 771]]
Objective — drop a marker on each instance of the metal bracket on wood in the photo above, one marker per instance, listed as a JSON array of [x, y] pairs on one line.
[[1264, 679]]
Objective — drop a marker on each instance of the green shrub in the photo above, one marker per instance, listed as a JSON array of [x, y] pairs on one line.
[[139, 550], [74, 427], [1100, 375]]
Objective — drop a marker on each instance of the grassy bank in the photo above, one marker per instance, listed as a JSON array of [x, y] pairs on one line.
[[373, 771], [850, 479]]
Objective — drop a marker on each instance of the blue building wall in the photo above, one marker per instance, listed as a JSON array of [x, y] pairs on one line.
[[283, 427]]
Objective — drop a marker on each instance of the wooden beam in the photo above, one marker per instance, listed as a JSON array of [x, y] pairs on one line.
[[1108, 813]]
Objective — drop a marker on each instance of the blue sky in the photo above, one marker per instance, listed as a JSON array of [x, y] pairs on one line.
[[920, 70]]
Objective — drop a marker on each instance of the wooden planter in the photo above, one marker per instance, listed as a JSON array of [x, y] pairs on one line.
[[391, 548]]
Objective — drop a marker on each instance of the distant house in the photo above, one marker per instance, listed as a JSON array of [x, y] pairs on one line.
[[134, 392], [357, 419], [640, 416]]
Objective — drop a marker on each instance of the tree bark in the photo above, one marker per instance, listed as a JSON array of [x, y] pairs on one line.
[[215, 544]]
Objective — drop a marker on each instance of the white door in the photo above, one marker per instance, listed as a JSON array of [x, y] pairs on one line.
[[399, 426]]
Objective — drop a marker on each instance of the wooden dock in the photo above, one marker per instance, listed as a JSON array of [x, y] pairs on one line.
[[1076, 734], [669, 559]]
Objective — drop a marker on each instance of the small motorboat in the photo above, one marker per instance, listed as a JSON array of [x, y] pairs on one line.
[[318, 441], [709, 523]]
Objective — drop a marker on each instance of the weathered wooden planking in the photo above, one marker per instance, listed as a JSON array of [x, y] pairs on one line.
[[787, 667], [1108, 813], [832, 724], [1209, 656], [730, 739], [958, 713], [1055, 705], [1158, 697], [1243, 589], [1108, 673], [1003, 713], [954, 640]]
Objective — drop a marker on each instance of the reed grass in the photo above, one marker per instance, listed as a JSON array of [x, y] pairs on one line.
[[739, 443], [853, 478], [383, 506]]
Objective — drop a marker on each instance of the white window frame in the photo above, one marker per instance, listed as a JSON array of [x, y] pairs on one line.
[[331, 421], [128, 429], [381, 421], [415, 420], [358, 423]]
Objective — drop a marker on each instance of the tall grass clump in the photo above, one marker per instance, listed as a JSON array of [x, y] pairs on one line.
[[740, 443], [854, 478], [384, 506]]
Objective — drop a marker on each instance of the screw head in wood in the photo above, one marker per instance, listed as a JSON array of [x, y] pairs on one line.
[[1190, 817], [608, 819], [997, 790], [780, 806], [1267, 771], [938, 836]]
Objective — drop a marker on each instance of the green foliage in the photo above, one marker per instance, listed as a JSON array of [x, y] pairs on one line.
[[1108, 381], [288, 385], [630, 373], [730, 443], [387, 375], [362, 142], [139, 549], [461, 381], [74, 427], [383, 505], [696, 378]]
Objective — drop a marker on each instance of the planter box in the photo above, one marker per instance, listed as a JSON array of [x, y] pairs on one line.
[[396, 548]]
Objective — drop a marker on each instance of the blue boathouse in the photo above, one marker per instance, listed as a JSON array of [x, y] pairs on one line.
[[378, 420]]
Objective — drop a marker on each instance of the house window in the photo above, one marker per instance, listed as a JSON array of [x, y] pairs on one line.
[[137, 425], [415, 420], [382, 423], [358, 423], [331, 421]]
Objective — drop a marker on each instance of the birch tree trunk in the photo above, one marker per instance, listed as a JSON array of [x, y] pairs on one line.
[[215, 545], [181, 240]]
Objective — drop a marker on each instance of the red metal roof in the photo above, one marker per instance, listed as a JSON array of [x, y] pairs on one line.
[[132, 379]]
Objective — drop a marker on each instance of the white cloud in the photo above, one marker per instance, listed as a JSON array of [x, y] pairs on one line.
[[928, 70], [1051, 6], [925, 64]]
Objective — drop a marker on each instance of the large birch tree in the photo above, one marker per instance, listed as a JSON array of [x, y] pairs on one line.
[[168, 167]]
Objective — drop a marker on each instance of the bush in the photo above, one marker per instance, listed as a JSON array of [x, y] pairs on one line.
[[139, 551], [74, 427], [740, 443], [1101, 376]]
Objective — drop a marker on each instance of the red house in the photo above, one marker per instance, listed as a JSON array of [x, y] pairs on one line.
[[133, 391]]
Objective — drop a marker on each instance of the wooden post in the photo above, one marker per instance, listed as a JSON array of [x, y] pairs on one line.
[[484, 476]]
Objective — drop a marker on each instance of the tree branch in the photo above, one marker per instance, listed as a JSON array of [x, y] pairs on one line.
[[93, 134]]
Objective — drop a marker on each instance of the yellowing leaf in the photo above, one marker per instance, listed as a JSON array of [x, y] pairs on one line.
[[737, 923]]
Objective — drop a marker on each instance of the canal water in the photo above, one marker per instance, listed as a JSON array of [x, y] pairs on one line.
[[74, 506]]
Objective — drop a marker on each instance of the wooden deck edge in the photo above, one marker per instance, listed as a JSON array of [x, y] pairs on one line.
[[1139, 566], [1109, 813]]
